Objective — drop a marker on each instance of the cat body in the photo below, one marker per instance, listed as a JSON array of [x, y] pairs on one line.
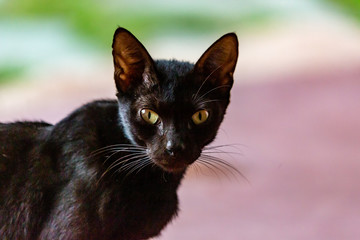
[[111, 169]]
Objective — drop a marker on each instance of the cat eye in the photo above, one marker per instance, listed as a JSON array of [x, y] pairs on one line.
[[200, 117], [149, 116]]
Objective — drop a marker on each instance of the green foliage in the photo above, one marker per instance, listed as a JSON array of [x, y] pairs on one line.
[[8, 73], [97, 20], [350, 6]]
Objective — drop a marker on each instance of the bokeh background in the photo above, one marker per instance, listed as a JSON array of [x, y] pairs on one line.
[[294, 116]]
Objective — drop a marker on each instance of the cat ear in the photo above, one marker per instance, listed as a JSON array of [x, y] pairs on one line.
[[219, 61], [131, 60]]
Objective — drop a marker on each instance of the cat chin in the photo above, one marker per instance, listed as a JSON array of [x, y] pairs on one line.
[[170, 168], [174, 170]]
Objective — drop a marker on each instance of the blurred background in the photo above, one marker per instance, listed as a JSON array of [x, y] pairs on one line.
[[294, 116]]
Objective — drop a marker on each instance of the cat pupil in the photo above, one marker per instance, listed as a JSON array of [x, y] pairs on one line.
[[200, 116], [149, 115]]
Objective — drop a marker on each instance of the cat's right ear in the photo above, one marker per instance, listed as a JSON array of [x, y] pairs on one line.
[[131, 60]]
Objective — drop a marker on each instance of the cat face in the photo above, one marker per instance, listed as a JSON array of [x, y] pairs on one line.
[[172, 108]]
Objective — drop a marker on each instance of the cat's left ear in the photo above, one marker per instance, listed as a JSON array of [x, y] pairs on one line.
[[219, 61], [131, 60]]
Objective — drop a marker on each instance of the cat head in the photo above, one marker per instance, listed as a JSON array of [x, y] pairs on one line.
[[172, 108]]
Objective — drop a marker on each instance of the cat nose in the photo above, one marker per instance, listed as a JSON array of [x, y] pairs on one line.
[[174, 148]]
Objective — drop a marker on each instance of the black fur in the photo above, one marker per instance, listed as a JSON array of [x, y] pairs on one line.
[[66, 181]]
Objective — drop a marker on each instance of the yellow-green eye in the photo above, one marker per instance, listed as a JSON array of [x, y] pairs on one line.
[[200, 117], [149, 116]]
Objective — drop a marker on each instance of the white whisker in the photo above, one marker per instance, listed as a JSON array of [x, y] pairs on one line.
[[195, 96], [211, 90], [219, 164]]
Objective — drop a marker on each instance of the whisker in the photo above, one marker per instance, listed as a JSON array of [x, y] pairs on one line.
[[143, 165], [129, 165], [235, 146], [217, 167], [125, 159], [195, 96], [206, 164], [208, 101], [222, 152], [121, 145], [224, 165], [196, 168], [211, 90], [220, 161], [130, 146], [115, 149], [138, 167], [135, 165], [125, 151], [107, 158], [222, 149], [119, 148]]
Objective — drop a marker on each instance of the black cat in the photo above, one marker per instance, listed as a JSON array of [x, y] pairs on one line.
[[110, 170]]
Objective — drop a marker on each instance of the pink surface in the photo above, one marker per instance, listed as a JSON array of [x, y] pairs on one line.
[[301, 156]]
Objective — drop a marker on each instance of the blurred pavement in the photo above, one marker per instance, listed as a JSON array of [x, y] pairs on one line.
[[301, 154]]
